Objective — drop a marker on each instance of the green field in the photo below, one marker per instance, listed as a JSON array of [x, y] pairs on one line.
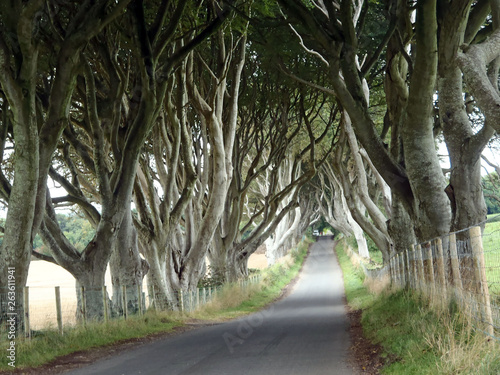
[[491, 245]]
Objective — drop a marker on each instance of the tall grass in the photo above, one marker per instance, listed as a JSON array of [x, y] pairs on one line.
[[49, 344], [420, 339]]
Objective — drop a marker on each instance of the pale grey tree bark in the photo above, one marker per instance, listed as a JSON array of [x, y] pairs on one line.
[[20, 93], [464, 143], [118, 130], [127, 267], [420, 189], [19, 44], [375, 228], [335, 210]]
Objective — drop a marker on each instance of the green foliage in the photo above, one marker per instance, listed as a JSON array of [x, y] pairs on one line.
[[494, 218], [77, 230], [322, 226], [375, 253], [214, 277], [491, 188]]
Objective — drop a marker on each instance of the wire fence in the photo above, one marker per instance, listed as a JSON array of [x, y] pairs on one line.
[[33, 309], [464, 266]]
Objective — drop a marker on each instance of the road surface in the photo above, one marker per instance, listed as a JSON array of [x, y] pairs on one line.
[[302, 334]]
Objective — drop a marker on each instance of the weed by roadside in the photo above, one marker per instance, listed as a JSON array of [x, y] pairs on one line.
[[49, 344], [424, 339]]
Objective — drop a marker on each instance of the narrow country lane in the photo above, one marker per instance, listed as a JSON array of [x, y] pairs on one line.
[[303, 334]]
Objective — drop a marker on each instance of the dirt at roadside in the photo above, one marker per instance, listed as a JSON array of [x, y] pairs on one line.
[[366, 357]]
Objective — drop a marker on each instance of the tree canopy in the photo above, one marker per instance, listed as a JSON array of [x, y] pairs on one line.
[[229, 125]]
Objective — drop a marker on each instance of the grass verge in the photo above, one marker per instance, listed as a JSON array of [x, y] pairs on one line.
[[232, 302], [235, 301], [424, 339]]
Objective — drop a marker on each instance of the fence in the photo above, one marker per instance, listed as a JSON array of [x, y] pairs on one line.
[[465, 266], [37, 308]]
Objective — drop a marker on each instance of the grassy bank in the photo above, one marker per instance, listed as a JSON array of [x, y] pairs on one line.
[[232, 302], [419, 339], [235, 301]]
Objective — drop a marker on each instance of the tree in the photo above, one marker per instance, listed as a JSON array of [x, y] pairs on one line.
[[331, 31], [459, 24], [195, 143], [38, 96], [113, 115]]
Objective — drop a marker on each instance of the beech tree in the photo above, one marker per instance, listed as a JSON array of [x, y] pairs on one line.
[[280, 145], [115, 111], [169, 161], [459, 25], [331, 31], [38, 96], [335, 210], [195, 142]]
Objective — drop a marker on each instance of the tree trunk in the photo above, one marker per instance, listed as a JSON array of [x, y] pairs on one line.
[[218, 254], [90, 280], [15, 252], [18, 84], [431, 204], [127, 267], [276, 244], [464, 144], [400, 227], [160, 289], [237, 268]]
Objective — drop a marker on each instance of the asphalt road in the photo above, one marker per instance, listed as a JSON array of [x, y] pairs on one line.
[[302, 334]]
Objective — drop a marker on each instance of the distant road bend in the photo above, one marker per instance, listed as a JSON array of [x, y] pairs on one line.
[[302, 334]]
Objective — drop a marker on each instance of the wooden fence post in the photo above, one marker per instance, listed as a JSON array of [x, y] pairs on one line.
[[105, 303], [455, 265], [181, 300], [395, 270], [139, 298], [153, 297], [58, 309], [26, 305], [402, 267], [420, 268], [480, 275], [84, 305], [391, 270], [124, 301], [440, 264], [400, 270], [414, 280], [430, 268], [408, 268]]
